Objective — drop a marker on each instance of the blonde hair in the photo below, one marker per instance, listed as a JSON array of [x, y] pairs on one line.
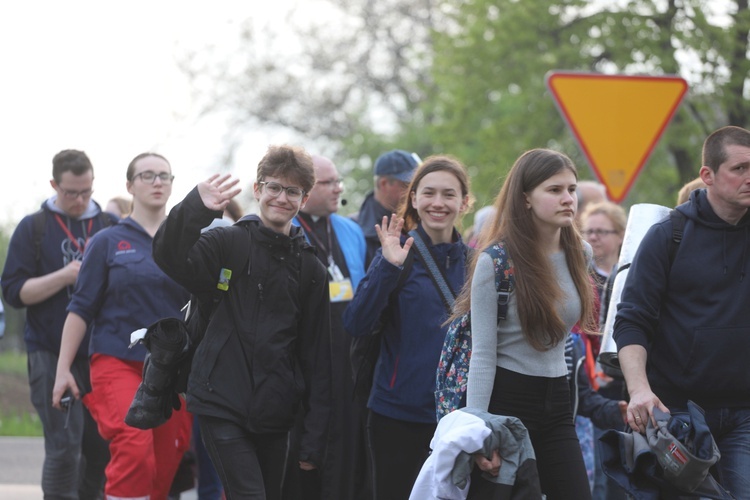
[[614, 212], [684, 194]]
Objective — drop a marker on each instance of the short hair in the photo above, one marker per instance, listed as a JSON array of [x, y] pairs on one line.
[[684, 193], [614, 212], [290, 162], [70, 160], [130, 172], [714, 148]]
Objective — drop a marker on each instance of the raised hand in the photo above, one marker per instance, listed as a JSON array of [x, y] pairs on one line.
[[389, 234], [217, 191]]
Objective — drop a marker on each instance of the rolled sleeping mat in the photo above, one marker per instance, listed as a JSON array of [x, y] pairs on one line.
[[640, 218]]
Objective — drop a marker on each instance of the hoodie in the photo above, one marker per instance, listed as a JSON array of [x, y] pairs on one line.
[[691, 318], [44, 321]]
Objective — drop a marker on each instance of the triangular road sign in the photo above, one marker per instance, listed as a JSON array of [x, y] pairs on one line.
[[617, 120]]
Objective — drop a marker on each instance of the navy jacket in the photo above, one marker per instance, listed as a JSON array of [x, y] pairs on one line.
[[370, 213], [121, 289], [44, 321], [414, 331], [692, 319]]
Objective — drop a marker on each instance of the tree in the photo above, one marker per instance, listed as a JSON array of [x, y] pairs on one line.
[[467, 77], [489, 68]]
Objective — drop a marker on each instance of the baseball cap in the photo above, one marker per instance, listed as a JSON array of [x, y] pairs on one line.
[[685, 450], [398, 164]]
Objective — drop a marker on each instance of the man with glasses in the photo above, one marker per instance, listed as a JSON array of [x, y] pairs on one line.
[[42, 265], [341, 248], [266, 353], [393, 172]]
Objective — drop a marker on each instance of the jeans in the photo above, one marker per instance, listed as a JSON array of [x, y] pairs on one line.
[[251, 466], [543, 405], [74, 457], [730, 428], [398, 450]]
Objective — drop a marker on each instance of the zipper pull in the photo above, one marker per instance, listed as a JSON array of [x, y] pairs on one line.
[[260, 291]]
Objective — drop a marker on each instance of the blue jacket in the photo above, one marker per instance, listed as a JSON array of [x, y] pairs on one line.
[[692, 320], [121, 289], [413, 334], [352, 243], [44, 321]]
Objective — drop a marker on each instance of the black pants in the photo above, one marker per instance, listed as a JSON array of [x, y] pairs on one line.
[[543, 405], [398, 450], [251, 466]]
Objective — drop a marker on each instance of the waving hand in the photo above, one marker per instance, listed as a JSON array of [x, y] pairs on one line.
[[389, 235], [217, 191]]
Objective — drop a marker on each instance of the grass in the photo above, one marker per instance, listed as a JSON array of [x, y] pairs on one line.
[[17, 415], [13, 363]]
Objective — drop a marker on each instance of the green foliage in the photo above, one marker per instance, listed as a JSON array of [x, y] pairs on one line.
[[17, 417], [23, 424], [467, 78], [492, 102], [13, 363]]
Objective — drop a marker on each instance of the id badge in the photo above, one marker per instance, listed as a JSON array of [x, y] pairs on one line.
[[341, 291]]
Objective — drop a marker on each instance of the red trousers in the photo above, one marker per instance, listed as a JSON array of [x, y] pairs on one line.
[[143, 463]]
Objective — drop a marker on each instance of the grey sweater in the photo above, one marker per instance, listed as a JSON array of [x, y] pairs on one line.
[[504, 345]]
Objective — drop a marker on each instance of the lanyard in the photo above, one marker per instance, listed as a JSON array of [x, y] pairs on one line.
[[70, 236], [311, 233]]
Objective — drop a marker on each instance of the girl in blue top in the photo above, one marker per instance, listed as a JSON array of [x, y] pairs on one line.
[[121, 289], [402, 404]]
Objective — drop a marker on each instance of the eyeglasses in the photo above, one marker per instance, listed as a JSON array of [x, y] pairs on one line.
[[72, 195], [598, 232], [331, 183], [149, 177], [274, 189]]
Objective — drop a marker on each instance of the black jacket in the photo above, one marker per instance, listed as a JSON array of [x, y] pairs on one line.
[[266, 351], [603, 412]]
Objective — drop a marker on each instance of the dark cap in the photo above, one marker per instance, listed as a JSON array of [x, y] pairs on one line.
[[398, 164], [685, 449]]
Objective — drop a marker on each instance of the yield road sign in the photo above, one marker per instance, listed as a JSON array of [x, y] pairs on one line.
[[616, 119]]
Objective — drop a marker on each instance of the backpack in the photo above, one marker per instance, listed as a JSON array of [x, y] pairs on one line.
[[453, 366], [39, 221]]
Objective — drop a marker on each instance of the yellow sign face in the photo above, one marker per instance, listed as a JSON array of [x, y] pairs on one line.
[[617, 120]]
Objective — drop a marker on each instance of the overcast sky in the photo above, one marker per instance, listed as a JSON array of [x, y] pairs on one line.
[[102, 77]]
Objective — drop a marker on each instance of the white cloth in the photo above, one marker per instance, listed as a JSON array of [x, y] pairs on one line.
[[456, 432]]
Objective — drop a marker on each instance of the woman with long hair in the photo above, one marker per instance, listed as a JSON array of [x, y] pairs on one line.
[[518, 365], [401, 421], [120, 289]]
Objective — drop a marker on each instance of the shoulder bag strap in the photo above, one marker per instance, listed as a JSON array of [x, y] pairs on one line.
[[435, 272]]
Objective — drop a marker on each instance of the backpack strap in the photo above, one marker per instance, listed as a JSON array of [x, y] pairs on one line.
[[678, 227], [39, 219], [504, 281], [435, 271]]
